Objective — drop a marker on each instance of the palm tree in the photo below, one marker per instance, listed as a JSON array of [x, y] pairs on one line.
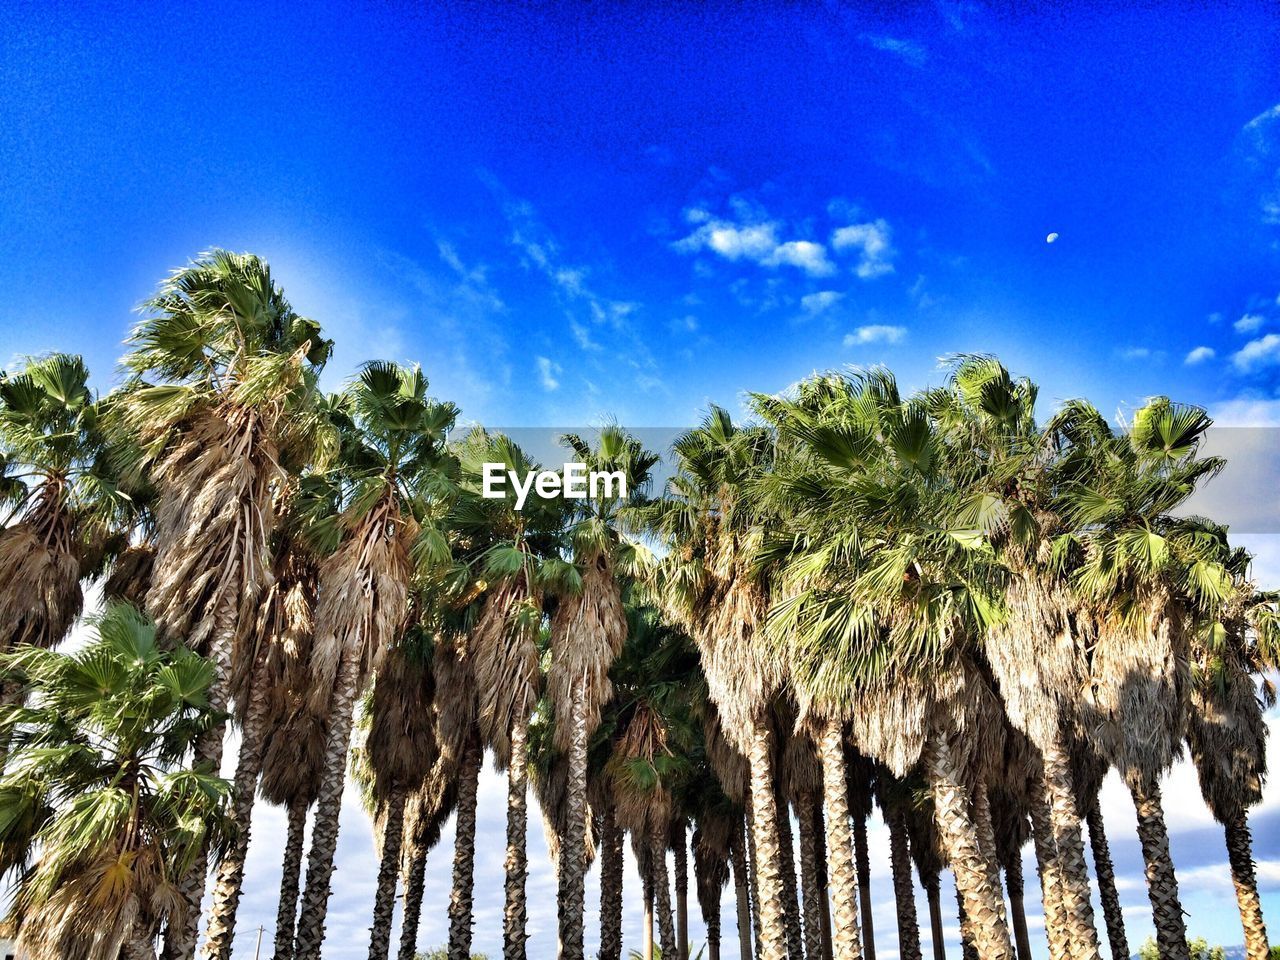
[[433, 803], [55, 486], [895, 797], [220, 401], [394, 485], [588, 629], [99, 795]]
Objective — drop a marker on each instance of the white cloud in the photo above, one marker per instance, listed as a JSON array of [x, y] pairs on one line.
[[1248, 323], [548, 372], [756, 242], [815, 303], [913, 53], [1200, 355], [1265, 351], [1135, 353], [873, 241], [875, 333], [1247, 412]]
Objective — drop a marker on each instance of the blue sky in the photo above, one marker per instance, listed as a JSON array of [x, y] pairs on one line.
[[570, 213]]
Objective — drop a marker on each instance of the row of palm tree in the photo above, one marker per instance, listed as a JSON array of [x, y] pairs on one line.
[[937, 605]]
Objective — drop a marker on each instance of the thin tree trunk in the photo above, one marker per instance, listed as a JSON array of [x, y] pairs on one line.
[[611, 880], [1106, 875], [764, 816], [1017, 909], [787, 869], [290, 878], [646, 946], [846, 943], [753, 885], [681, 861], [903, 890], [573, 848], [987, 843], [180, 938], [1162, 884], [983, 905], [711, 918], [1073, 870], [1240, 856], [809, 878], [515, 912], [384, 901], [324, 832], [1056, 934], [226, 891], [864, 885], [824, 885], [413, 890], [742, 889], [933, 890], [662, 895], [968, 949], [464, 854]]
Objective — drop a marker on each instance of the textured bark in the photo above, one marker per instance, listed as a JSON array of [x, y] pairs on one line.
[[1162, 885], [1073, 872], [751, 881], [646, 930], [138, 945], [742, 890], [1017, 909], [864, 886], [384, 901], [809, 878], [515, 910], [573, 849], [824, 885], [846, 943], [682, 893], [934, 894], [981, 804], [1055, 922], [226, 891], [290, 879], [903, 890], [1240, 856], [787, 870], [764, 829], [984, 905], [662, 896], [464, 855], [611, 877], [1106, 875], [413, 890], [180, 937], [968, 949], [324, 832]]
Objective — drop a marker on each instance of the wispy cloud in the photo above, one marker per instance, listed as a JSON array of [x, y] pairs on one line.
[[820, 302], [1248, 323], [757, 242], [873, 243], [1263, 352], [875, 333], [910, 51], [548, 373], [1200, 355]]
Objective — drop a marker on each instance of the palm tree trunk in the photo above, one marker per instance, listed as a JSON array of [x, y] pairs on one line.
[[787, 868], [903, 891], [573, 848], [983, 904], [682, 893], [987, 842], [413, 890], [324, 832], [1017, 909], [290, 878], [464, 854], [384, 901], [180, 938], [824, 885], [611, 879], [226, 891], [1055, 923], [138, 945], [515, 911], [662, 895], [846, 943], [742, 889], [864, 885], [1240, 856], [751, 881], [1106, 875], [933, 891], [711, 918], [1073, 872], [646, 946], [764, 829], [1162, 884], [809, 878], [968, 949]]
